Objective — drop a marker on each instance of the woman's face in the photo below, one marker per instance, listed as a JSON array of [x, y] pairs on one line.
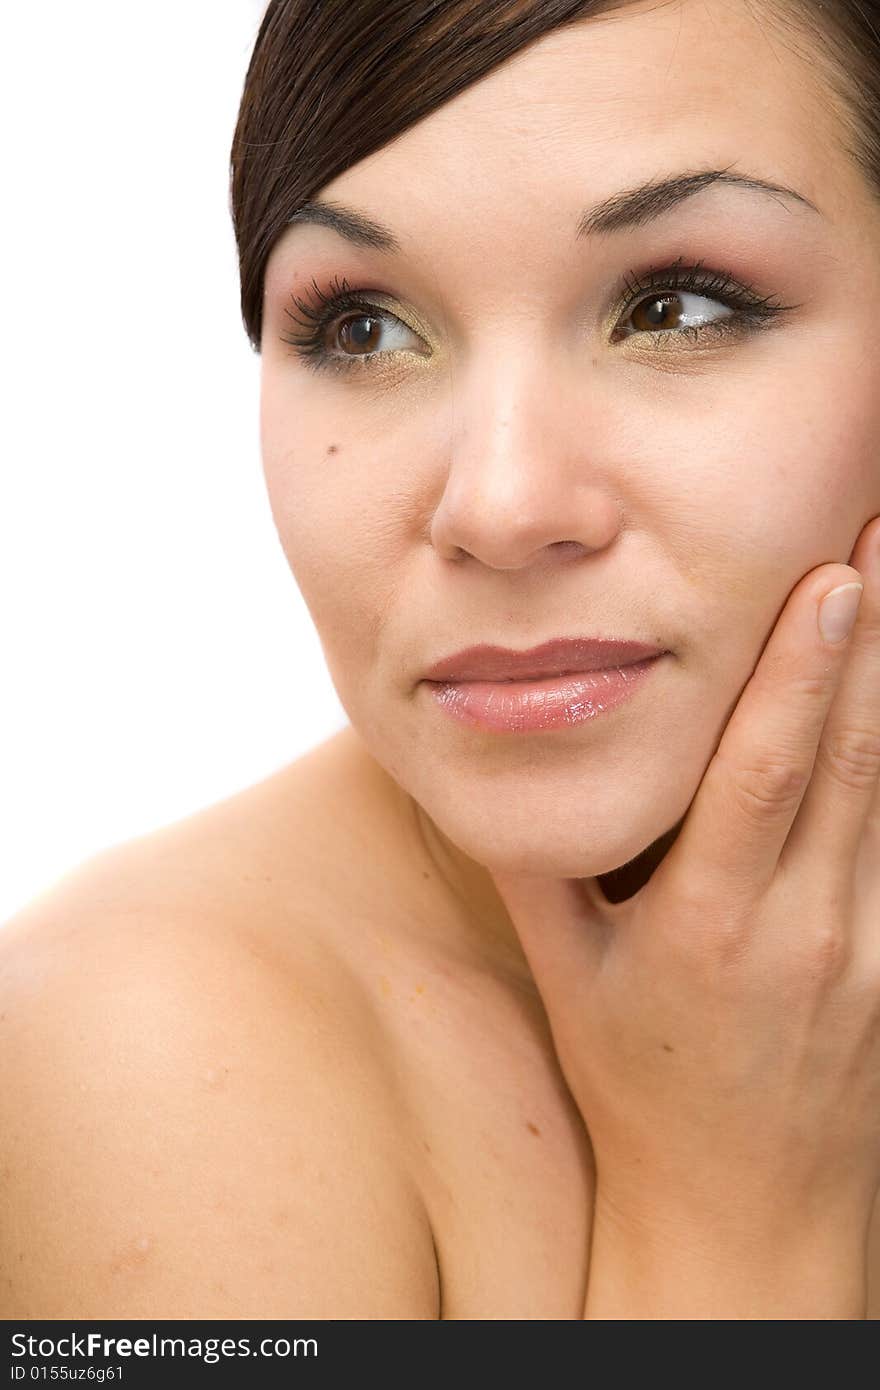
[[523, 456]]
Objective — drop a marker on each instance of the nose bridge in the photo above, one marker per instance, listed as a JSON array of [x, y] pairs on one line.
[[518, 475], [496, 412]]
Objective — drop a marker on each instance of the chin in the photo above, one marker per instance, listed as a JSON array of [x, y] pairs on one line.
[[518, 810], [567, 845]]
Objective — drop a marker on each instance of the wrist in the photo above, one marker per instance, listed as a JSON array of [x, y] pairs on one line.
[[675, 1263]]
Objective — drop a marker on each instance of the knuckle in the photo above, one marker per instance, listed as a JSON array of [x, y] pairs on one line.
[[783, 672], [768, 786], [851, 756], [782, 679], [818, 684], [820, 936], [826, 953]]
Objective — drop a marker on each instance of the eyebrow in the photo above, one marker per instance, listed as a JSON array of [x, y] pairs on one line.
[[631, 207]]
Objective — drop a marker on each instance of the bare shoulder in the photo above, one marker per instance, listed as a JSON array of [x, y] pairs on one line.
[[196, 1117]]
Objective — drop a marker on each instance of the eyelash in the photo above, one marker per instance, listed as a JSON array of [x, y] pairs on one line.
[[751, 311]]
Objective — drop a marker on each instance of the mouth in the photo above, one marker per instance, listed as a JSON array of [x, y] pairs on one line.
[[538, 704]]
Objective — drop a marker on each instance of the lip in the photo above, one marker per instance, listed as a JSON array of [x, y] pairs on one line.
[[538, 706], [558, 657]]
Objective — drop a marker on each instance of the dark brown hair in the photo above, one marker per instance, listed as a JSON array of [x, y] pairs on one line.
[[330, 81]]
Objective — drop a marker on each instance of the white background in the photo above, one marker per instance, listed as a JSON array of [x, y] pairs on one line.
[[156, 652]]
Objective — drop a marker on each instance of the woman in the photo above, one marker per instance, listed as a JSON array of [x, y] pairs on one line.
[[549, 997]]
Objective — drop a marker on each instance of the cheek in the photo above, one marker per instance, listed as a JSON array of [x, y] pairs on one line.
[[308, 490], [339, 531], [824, 423], [788, 474]]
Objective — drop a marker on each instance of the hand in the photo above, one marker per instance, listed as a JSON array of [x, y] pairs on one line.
[[720, 1030]]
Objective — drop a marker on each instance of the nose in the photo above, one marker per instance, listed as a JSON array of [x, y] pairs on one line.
[[522, 486]]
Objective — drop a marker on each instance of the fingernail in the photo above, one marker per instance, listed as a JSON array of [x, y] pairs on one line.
[[837, 612]]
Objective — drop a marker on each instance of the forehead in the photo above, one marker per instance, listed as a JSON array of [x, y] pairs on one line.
[[609, 100]]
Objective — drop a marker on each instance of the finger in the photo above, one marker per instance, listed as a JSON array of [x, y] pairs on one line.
[[839, 801], [737, 825]]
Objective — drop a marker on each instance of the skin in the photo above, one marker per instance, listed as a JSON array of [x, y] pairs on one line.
[[509, 471], [374, 1034]]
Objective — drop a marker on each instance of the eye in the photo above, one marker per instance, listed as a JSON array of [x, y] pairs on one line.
[[339, 340], [672, 311], [678, 305], [364, 334]]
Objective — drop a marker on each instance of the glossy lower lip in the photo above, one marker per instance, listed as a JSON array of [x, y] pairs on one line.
[[553, 702]]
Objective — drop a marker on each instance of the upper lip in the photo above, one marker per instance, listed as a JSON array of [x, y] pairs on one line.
[[557, 657]]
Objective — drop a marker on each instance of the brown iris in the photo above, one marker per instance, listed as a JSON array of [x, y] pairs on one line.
[[362, 340], [655, 313]]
